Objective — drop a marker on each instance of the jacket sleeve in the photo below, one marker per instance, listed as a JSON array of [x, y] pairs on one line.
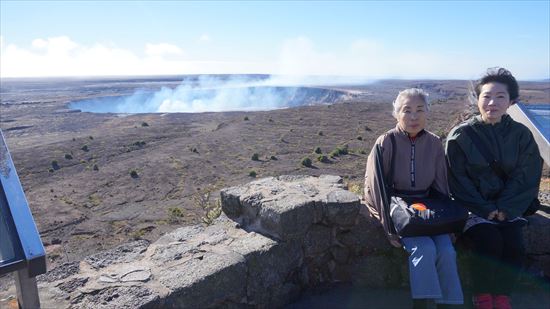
[[440, 183], [461, 184], [523, 182], [373, 196]]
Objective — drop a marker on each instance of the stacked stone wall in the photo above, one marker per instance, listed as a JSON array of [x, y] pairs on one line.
[[278, 236]]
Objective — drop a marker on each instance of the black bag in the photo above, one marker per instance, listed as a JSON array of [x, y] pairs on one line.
[[497, 169], [426, 216], [422, 213]]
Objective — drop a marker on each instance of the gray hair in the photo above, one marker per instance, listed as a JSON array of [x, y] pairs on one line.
[[410, 93]]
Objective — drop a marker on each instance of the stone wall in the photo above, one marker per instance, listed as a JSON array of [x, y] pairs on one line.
[[278, 237], [327, 221]]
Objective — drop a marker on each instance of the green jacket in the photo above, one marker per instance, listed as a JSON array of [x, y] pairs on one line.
[[473, 182]]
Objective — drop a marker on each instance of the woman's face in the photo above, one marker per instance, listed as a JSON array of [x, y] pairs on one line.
[[493, 102], [412, 115]]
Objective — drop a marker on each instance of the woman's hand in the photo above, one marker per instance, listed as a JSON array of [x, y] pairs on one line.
[[493, 214], [501, 216]]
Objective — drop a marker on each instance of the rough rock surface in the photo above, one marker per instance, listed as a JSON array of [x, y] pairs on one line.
[[192, 267], [279, 236]]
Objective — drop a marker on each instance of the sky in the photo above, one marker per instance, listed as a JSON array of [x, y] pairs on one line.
[[367, 39]]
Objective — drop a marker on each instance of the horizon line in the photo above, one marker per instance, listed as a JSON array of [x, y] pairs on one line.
[[265, 75]]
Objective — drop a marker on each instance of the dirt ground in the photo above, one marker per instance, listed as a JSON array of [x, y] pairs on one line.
[[124, 177]]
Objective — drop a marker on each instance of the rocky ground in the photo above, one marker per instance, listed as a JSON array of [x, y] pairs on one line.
[[124, 177]]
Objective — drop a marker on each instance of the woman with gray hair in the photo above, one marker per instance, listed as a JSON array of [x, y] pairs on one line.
[[419, 167]]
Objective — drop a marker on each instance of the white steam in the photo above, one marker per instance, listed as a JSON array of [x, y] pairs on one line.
[[211, 94]]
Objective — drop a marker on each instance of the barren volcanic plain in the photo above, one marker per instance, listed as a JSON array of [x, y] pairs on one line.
[[95, 180]]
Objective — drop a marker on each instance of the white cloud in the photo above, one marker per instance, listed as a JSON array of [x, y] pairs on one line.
[[362, 57], [39, 43], [56, 46], [162, 49], [299, 57], [60, 56], [204, 38], [372, 59]]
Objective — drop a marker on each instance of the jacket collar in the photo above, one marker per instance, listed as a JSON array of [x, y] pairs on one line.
[[503, 123], [401, 132]]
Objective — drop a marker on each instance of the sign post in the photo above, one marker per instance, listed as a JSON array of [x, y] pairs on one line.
[[536, 117], [21, 250]]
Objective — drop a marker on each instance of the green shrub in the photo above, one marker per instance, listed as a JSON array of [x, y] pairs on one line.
[[134, 174], [322, 159], [252, 174], [85, 148], [359, 138], [55, 165], [255, 157], [144, 124], [136, 235], [94, 199], [367, 129], [340, 150], [246, 118], [355, 187], [343, 149], [441, 133], [90, 137], [212, 212], [95, 168], [320, 133], [50, 170], [306, 162], [139, 143], [274, 158], [318, 150], [68, 156], [175, 213]]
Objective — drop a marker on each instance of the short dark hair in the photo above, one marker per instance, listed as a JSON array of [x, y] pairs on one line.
[[499, 75]]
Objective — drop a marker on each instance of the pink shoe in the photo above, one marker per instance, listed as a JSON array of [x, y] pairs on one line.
[[483, 301], [502, 302]]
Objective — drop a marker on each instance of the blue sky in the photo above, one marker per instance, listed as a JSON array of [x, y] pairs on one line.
[[373, 39]]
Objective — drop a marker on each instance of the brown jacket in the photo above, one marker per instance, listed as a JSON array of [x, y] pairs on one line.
[[419, 165]]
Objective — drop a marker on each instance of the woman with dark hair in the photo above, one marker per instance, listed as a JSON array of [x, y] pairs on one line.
[[419, 168], [496, 193]]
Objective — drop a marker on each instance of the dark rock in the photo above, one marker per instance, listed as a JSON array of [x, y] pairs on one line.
[[208, 282], [61, 272], [317, 240], [124, 253], [342, 208], [340, 254], [71, 285], [115, 297]]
